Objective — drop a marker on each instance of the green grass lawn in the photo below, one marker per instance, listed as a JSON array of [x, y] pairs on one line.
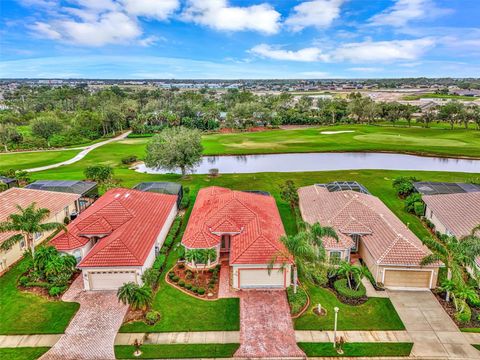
[[440, 96], [472, 330], [476, 347], [31, 160], [22, 353], [177, 351], [24, 313], [357, 349], [375, 314]]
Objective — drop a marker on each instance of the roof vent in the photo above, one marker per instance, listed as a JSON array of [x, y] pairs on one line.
[[127, 195], [117, 195]]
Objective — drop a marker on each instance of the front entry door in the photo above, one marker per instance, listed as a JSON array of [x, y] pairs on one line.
[[225, 246]]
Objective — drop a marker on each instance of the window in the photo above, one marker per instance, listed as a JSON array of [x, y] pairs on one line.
[[37, 236], [335, 257], [22, 244], [78, 255], [356, 240], [67, 211]]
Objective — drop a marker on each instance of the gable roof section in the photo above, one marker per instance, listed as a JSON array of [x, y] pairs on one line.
[[55, 202], [389, 241], [459, 213], [127, 222], [253, 219]]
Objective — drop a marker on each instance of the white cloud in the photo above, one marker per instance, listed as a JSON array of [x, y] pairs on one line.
[[360, 52], [46, 31], [365, 69], [218, 15], [384, 51], [160, 10], [317, 13], [404, 11], [307, 54]]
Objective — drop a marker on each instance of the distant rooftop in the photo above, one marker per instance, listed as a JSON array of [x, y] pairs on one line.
[[345, 185], [67, 186], [7, 180], [438, 188]]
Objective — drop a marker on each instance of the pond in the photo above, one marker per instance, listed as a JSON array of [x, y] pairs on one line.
[[299, 162]]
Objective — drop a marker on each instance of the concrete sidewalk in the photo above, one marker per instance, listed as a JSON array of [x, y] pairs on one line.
[[205, 337], [12, 341]]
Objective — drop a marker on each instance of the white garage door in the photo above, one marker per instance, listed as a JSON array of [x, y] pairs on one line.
[[260, 278], [407, 278], [110, 280]]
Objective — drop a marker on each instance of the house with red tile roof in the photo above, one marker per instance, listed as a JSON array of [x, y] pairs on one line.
[[59, 204], [367, 227], [454, 214], [245, 229], [118, 237]]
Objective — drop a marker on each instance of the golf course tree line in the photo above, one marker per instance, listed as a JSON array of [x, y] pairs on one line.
[[43, 116]]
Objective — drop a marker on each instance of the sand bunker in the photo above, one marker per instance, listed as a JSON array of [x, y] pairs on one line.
[[336, 132]]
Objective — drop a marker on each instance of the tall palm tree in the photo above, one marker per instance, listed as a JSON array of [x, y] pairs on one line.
[[307, 249], [457, 256], [138, 297], [25, 224]]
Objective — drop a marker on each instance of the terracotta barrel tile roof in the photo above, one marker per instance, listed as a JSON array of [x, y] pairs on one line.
[[127, 222], [252, 219], [459, 213], [55, 202], [389, 241]]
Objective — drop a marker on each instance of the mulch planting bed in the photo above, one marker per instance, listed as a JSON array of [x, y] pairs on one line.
[[450, 310], [187, 281], [43, 291]]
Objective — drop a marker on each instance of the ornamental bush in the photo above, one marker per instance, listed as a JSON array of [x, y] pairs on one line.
[[152, 317], [465, 316], [194, 289], [201, 291], [175, 278], [181, 283], [342, 288], [56, 290], [188, 286], [411, 201], [129, 159]]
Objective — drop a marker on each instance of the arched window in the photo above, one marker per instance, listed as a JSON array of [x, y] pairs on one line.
[[78, 255]]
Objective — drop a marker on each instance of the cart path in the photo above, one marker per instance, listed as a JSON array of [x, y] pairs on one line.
[[80, 155]]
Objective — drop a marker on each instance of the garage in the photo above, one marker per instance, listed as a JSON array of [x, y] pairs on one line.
[[260, 278], [110, 280], [407, 278]]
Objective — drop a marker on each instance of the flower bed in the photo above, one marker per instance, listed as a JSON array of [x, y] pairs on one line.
[[201, 283], [449, 308]]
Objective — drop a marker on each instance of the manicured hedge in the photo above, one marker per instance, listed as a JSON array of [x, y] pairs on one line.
[[342, 288], [296, 301]]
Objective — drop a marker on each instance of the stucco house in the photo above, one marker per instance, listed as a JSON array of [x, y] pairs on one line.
[[245, 229], [366, 227], [118, 237], [454, 214], [60, 205]]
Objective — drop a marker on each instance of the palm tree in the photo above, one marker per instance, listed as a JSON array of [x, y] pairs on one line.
[[473, 241], [138, 297], [350, 272], [307, 249], [456, 255], [25, 224]]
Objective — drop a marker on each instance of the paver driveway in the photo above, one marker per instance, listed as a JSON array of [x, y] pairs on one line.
[[266, 328], [434, 334], [91, 334]]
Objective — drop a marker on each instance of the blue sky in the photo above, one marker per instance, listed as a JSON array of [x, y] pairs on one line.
[[239, 38]]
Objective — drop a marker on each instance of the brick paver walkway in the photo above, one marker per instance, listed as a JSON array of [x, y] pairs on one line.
[[224, 288], [266, 328], [91, 334]]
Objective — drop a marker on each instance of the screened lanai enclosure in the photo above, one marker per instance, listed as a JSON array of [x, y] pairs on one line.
[[345, 185], [162, 187]]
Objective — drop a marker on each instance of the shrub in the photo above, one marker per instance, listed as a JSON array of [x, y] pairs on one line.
[[419, 208], [185, 202], [150, 277], [342, 288], [296, 301], [23, 281], [181, 283], [159, 262], [188, 286], [99, 173], [168, 242], [152, 317], [465, 316], [404, 185], [175, 278], [201, 291], [194, 289], [129, 159], [171, 274], [213, 172], [182, 266], [56, 290], [410, 202]]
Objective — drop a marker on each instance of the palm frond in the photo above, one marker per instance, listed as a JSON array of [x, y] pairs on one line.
[[12, 240]]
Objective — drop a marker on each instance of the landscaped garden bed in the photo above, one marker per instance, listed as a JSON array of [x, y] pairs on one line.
[[298, 301], [199, 283], [473, 325]]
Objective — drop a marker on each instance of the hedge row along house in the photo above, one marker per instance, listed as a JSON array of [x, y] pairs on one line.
[[60, 205], [244, 228], [118, 237], [368, 229]]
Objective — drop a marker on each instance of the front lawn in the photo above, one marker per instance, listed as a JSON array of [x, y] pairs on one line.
[[181, 312], [357, 349], [375, 314], [22, 353], [177, 351], [25, 313]]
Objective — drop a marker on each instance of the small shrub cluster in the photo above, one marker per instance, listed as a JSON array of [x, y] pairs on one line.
[[172, 234], [341, 286], [414, 204], [403, 185], [185, 199], [152, 317], [296, 301], [127, 160]]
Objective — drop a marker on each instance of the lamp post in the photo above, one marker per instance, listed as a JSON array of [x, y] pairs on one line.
[[336, 309]]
